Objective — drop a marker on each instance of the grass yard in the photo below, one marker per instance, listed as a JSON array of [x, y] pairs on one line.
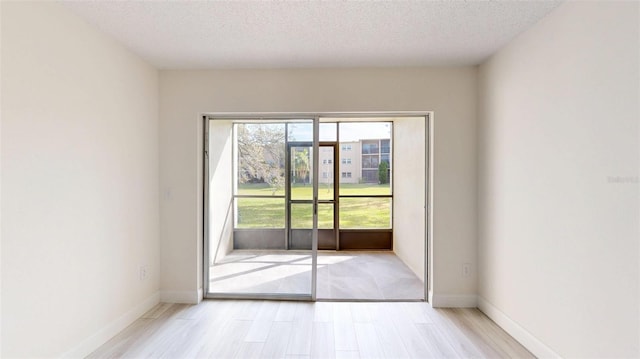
[[299, 191], [364, 212]]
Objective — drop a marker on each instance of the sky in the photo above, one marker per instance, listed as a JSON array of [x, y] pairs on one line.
[[349, 131]]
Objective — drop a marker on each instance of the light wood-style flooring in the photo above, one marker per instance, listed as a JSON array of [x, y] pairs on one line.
[[281, 329]]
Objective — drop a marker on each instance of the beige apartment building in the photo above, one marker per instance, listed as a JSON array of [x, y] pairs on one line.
[[358, 161]]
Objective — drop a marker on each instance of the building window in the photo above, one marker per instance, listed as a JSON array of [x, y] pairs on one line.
[[370, 176], [346, 161], [370, 147], [385, 158], [370, 161], [346, 174], [324, 175], [385, 146], [346, 147]]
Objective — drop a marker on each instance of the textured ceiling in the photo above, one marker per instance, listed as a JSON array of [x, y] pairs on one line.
[[207, 34]]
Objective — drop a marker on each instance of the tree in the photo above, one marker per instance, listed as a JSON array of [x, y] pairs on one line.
[[383, 172], [301, 164], [261, 154]]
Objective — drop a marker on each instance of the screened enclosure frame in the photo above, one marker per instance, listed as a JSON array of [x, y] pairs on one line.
[[316, 143]]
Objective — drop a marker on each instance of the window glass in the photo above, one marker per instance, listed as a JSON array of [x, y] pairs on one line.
[[302, 215], [365, 151], [325, 182], [300, 132], [260, 167], [328, 132], [259, 212], [301, 167], [365, 213]]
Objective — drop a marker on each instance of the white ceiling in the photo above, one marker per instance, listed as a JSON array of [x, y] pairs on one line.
[[208, 34]]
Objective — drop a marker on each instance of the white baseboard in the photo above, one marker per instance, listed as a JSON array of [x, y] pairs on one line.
[[186, 297], [535, 346], [100, 337], [453, 301]]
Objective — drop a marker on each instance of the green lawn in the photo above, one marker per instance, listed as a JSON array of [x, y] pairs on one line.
[[300, 191], [354, 212]]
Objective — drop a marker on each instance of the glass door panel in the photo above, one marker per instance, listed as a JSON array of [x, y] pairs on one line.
[[325, 216], [252, 183], [300, 154], [326, 171], [300, 192], [300, 172]]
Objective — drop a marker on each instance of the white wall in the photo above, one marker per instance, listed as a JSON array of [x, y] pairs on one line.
[[79, 182], [409, 190], [450, 92], [220, 189], [558, 189]]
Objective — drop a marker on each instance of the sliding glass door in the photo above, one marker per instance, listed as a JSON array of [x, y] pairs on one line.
[[278, 189], [261, 231]]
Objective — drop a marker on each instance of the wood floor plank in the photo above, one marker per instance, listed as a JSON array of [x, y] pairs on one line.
[[208, 310], [258, 331], [467, 333], [261, 325], [323, 312], [323, 342], [228, 345], [269, 329], [214, 331], [494, 335], [156, 311], [163, 340], [117, 346], [390, 341], [143, 333], [347, 354], [303, 311], [368, 342], [413, 342], [250, 309], [388, 335], [300, 341], [250, 350], [278, 340], [208, 319], [345, 336], [437, 341], [190, 342], [286, 311], [361, 312], [451, 331], [343, 329], [416, 311]]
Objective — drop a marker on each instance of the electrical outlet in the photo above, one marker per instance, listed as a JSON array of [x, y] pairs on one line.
[[466, 269], [142, 272]]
